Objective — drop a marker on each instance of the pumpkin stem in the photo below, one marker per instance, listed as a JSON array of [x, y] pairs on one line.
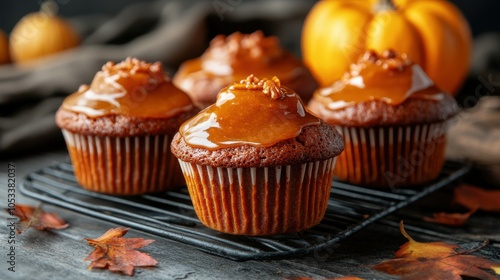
[[49, 7], [384, 5]]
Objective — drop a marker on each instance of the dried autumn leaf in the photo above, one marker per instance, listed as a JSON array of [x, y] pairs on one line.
[[436, 260], [119, 254], [35, 217], [450, 219], [477, 198], [471, 197]]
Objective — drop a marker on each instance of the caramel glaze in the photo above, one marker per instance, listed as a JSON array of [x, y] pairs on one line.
[[131, 88], [232, 58], [390, 77], [257, 112]]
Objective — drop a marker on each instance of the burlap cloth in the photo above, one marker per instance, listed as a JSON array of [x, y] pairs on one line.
[[475, 137]]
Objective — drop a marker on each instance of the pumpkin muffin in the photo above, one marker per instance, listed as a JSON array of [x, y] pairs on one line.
[[118, 130], [393, 119], [257, 162], [232, 58]]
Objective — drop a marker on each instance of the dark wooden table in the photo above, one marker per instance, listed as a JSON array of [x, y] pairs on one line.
[[60, 254]]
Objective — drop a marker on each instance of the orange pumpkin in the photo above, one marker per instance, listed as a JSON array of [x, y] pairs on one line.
[[41, 34], [4, 48], [433, 33]]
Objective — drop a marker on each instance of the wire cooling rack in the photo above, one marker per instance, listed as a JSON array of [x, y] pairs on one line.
[[171, 215]]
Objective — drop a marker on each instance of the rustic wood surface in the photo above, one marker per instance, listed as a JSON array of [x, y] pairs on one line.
[[60, 254]]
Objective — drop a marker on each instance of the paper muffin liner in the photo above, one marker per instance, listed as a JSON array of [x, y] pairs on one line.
[[394, 156], [124, 165], [261, 200]]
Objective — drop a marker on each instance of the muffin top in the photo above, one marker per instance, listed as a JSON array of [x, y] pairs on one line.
[[238, 55], [131, 88], [232, 58], [130, 98], [256, 122], [386, 89]]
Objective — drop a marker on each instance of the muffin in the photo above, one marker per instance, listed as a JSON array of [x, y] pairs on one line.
[[393, 119], [118, 130], [257, 162], [232, 58]]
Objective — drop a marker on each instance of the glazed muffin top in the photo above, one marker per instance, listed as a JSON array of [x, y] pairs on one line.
[[256, 123], [130, 98], [383, 89], [232, 58], [132, 88]]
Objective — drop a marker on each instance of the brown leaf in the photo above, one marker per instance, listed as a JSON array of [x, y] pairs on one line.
[[436, 260], [471, 197], [35, 217], [119, 254], [475, 198], [450, 219]]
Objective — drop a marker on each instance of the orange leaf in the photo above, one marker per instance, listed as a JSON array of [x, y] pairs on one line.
[[450, 219], [34, 217], [436, 260], [476, 198], [119, 254]]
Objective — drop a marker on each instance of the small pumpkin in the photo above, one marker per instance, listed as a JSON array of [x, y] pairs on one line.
[[4, 48], [41, 34], [433, 33]]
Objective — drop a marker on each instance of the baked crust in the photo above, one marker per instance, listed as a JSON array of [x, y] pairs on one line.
[[120, 125], [380, 113], [315, 142], [203, 91]]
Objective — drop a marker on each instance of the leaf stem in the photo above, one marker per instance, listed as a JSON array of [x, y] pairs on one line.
[[482, 245], [403, 231]]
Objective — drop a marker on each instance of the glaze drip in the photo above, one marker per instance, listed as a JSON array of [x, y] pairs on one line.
[[131, 87], [232, 58], [390, 77], [257, 112]]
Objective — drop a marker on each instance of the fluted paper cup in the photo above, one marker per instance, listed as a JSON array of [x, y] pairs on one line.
[[124, 165], [261, 200], [389, 157]]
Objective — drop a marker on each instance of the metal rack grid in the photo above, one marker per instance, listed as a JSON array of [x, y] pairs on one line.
[[171, 215]]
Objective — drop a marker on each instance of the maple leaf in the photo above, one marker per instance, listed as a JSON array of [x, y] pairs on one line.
[[30, 216], [475, 198], [119, 254], [471, 197], [450, 219], [435, 261]]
